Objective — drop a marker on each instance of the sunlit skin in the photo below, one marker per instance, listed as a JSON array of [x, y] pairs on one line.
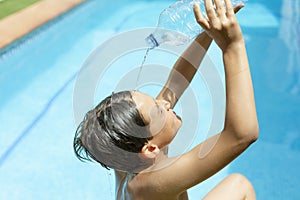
[[171, 182], [162, 121]]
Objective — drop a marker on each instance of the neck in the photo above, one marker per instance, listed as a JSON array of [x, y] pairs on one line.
[[163, 154]]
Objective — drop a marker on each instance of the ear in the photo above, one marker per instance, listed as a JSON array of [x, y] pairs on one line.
[[150, 151]]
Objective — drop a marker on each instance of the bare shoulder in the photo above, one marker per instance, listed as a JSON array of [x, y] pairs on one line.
[[171, 180], [194, 167], [148, 186]]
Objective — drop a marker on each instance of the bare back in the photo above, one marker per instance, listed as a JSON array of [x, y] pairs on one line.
[[140, 187]]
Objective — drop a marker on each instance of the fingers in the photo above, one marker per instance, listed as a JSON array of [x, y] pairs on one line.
[[200, 18], [215, 15], [210, 11], [220, 9], [229, 8]]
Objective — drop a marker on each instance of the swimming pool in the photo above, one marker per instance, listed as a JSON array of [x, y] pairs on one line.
[[37, 78]]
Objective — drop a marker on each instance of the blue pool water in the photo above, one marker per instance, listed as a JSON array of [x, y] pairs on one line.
[[37, 76]]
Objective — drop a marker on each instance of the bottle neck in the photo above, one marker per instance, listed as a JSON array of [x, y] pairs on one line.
[[151, 40]]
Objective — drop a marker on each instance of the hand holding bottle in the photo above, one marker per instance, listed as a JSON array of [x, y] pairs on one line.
[[220, 23], [177, 25]]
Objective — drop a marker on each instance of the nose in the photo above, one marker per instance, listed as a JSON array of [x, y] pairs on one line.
[[165, 104]]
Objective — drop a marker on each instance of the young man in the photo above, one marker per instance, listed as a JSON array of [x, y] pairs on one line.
[[130, 131]]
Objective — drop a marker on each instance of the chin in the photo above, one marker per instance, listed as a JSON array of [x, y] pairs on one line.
[[179, 121], [178, 126]]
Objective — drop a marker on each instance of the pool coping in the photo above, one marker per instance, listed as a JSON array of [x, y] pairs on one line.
[[19, 24]]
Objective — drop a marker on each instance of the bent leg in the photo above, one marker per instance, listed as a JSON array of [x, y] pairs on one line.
[[233, 187]]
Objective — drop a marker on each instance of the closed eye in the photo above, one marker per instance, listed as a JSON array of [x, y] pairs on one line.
[[161, 110], [158, 107]]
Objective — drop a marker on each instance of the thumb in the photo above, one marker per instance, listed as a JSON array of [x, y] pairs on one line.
[[238, 8]]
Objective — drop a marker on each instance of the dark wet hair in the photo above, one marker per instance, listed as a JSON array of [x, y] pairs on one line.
[[113, 134]]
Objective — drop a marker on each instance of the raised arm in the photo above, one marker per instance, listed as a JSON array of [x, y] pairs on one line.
[[186, 67], [241, 126], [183, 71]]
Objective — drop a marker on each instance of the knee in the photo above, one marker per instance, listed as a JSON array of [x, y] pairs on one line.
[[240, 181], [234, 186]]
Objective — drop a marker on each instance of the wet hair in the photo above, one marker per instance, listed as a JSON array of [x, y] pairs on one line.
[[113, 134]]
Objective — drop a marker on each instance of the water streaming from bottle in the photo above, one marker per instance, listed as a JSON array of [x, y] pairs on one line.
[[141, 67]]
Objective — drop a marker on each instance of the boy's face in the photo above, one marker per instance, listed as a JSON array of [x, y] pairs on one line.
[[162, 121]]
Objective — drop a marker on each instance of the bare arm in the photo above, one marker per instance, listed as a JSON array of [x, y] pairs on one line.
[[241, 126], [186, 67]]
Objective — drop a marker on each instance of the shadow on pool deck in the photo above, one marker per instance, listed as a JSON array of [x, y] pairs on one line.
[[23, 22]]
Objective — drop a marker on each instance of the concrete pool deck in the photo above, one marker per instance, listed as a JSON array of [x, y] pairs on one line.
[[23, 22]]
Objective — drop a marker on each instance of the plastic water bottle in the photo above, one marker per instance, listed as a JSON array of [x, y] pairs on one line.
[[177, 24]]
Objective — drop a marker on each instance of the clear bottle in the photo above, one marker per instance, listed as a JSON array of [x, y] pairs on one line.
[[177, 24]]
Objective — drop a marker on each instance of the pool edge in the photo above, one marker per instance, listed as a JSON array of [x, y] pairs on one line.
[[31, 18]]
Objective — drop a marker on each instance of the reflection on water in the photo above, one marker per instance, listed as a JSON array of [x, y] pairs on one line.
[[290, 34]]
